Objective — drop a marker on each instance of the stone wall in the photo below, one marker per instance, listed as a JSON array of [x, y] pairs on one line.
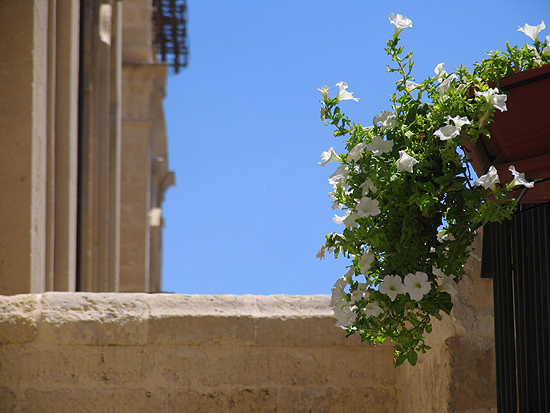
[[67, 352], [114, 352]]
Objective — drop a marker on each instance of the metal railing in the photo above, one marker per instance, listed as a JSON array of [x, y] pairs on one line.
[[516, 256], [170, 25]]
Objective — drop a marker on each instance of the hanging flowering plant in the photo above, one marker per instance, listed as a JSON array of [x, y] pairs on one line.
[[410, 205]]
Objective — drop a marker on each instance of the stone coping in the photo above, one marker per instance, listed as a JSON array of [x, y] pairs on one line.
[[126, 319]]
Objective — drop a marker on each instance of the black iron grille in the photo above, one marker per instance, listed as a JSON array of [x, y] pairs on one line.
[[170, 24], [516, 256]]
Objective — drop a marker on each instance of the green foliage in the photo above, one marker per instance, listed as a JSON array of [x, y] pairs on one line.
[[427, 214]]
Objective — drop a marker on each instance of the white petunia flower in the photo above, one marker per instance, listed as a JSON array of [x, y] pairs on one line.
[[519, 178], [447, 132], [497, 100], [489, 180], [343, 94], [366, 261], [546, 50], [447, 285], [324, 91], [446, 84], [386, 120], [379, 146], [391, 286], [358, 295], [356, 152], [339, 298], [459, 121], [372, 310], [348, 219], [532, 31], [405, 162], [339, 177], [417, 285], [410, 86], [367, 187], [440, 71], [344, 316], [367, 207], [345, 279], [400, 23], [329, 156]]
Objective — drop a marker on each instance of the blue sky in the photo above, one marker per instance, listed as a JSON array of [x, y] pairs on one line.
[[250, 208]]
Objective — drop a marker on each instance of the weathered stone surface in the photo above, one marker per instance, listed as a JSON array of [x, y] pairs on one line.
[[171, 353], [473, 380], [226, 366], [18, 316], [94, 400], [8, 400], [94, 319], [241, 400], [298, 366]]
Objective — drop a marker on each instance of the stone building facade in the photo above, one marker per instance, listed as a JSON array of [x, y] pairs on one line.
[[83, 155]]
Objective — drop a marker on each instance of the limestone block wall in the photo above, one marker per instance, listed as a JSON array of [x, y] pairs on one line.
[[86, 352], [135, 352]]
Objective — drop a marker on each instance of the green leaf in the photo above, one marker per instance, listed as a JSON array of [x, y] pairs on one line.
[[412, 357]]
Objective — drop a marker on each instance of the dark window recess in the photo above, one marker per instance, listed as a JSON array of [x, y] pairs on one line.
[[516, 257], [170, 25]]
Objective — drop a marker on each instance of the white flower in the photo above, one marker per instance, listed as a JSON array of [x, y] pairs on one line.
[[417, 285], [447, 132], [386, 119], [444, 86], [447, 285], [405, 162], [348, 219], [391, 286], [459, 121], [345, 316], [339, 177], [367, 187], [359, 294], [400, 23], [489, 180], [532, 31], [356, 152], [329, 156], [379, 146], [343, 94], [340, 219], [546, 50], [345, 279], [324, 91], [335, 203], [367, 207], [366, 261], [372, 310], [440, 71], [497, 100], [339, 298], [410, 86], [519, 178]]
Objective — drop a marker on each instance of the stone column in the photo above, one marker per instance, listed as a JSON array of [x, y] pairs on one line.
[[144, 167], [23, 122], [66, 144]]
